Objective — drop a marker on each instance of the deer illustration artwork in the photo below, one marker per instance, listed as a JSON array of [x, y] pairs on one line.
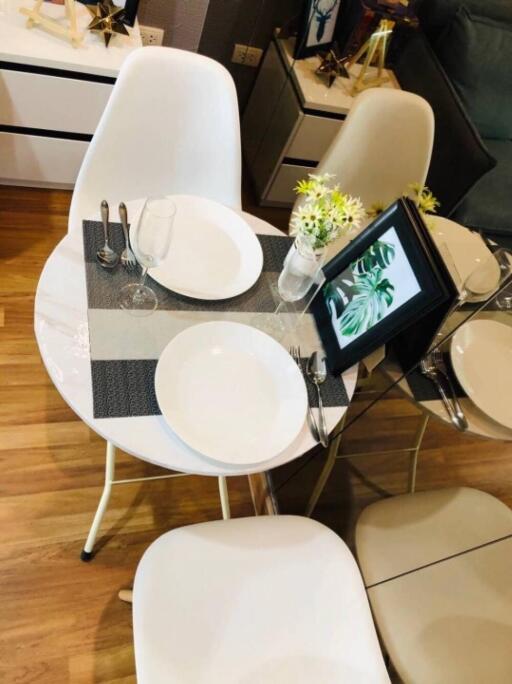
[[322, 14]]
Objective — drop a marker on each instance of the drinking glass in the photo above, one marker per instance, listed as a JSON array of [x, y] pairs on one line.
[[300, 271], [150, 243]]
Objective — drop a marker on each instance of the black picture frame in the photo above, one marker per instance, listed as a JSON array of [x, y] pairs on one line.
[[130, 11], [436, 290], [318, 20]]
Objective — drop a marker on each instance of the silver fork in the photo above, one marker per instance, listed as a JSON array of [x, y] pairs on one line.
[[313, 428], [428, 369], [128, 259], [440, 364]]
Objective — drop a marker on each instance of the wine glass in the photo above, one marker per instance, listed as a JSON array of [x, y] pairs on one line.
[[150, 242]]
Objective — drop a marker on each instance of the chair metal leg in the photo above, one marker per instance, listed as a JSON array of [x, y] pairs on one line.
[[413, 459], [110, 461], [125, 595], [224, 498]]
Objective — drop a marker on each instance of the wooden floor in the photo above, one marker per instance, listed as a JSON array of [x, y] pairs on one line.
[[60, 619]]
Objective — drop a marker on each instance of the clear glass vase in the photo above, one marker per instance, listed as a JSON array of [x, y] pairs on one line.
[[300, 269]]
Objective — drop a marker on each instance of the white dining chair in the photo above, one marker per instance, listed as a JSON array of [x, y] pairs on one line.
[[171, 126], [384, 145], [437, 567], [274, 599]]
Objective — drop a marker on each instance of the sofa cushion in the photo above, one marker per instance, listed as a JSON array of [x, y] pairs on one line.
[[460, 157], [435, 15], [488, 206], [476, 53]]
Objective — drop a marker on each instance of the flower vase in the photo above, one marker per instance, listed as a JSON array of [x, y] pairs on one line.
[[301, 267]]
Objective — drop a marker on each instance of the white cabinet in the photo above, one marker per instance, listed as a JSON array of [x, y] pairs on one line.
[[37, 160], [290, 121], [51, 97], [46, 101]]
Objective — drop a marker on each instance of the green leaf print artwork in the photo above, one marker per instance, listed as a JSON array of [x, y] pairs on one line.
[[373, 294], [379, 255]]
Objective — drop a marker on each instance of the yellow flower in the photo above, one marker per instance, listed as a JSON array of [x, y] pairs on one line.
[[376, 209], [303, 187], [425, 200]]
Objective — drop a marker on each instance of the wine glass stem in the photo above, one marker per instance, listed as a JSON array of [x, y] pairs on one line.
[[139, 293], [279, 307]]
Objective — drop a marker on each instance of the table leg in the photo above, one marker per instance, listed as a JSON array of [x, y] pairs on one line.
[[224, 498], [110, 461], [324, 475]]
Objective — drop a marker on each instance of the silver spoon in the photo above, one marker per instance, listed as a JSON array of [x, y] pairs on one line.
[[317, 372], [106, 255]]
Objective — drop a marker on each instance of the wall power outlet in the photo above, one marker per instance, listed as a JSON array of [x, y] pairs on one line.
[[151, 35], [244, 54]]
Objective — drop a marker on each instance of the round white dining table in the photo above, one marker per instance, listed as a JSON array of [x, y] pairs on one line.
[[61, 329]]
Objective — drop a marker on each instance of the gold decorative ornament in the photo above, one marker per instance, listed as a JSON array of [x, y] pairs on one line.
[[331, 66], [107, 19], [375, 50], [36, 18]]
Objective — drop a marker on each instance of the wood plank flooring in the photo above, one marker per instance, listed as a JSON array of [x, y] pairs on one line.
[[60, 619]]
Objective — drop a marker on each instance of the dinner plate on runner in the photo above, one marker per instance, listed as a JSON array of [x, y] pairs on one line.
[[231, 392], [214, 253], [470, 256], [481, 353]]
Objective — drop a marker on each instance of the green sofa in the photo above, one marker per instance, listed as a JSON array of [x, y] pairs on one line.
[[462, 63]]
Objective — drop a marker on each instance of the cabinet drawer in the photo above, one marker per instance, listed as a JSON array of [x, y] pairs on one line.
[[281, 191], [313, 137], [36, 160], [51, 102]]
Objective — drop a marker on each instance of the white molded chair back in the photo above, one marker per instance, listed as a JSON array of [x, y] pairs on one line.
[[170, 126], [384, 145]]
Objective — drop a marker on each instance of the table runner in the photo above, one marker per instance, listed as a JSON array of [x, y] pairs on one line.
[[424, 389], [125, 349]]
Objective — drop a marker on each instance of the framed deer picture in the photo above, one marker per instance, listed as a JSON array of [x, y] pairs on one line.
[[316, 27]]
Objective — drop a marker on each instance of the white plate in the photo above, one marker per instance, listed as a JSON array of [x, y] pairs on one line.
[[468, 252], [481, 353], [231, 392], [214, 253]]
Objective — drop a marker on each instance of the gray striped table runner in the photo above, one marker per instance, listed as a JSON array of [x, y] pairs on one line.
[[125, 349]]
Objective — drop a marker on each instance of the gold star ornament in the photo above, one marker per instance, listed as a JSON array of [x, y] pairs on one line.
[[107, 19], [331, 66]]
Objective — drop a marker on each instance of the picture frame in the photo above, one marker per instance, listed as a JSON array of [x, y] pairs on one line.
[[317, 27], [387, 280], [130, 9]]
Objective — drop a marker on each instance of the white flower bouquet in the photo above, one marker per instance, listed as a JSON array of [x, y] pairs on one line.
[[326, 212]]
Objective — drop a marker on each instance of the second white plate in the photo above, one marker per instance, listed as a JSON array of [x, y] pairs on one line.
[[231, 392], [214, 253], [469, 253], [481, 353]]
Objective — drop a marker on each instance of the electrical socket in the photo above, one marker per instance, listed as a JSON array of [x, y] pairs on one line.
[[244, 54], [151, 35]]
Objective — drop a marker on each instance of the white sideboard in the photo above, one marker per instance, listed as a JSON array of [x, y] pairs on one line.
[[51, 96], [290, 120]]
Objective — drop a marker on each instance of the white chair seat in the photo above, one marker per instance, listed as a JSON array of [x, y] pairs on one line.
[[438, 569], [253, 600]]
